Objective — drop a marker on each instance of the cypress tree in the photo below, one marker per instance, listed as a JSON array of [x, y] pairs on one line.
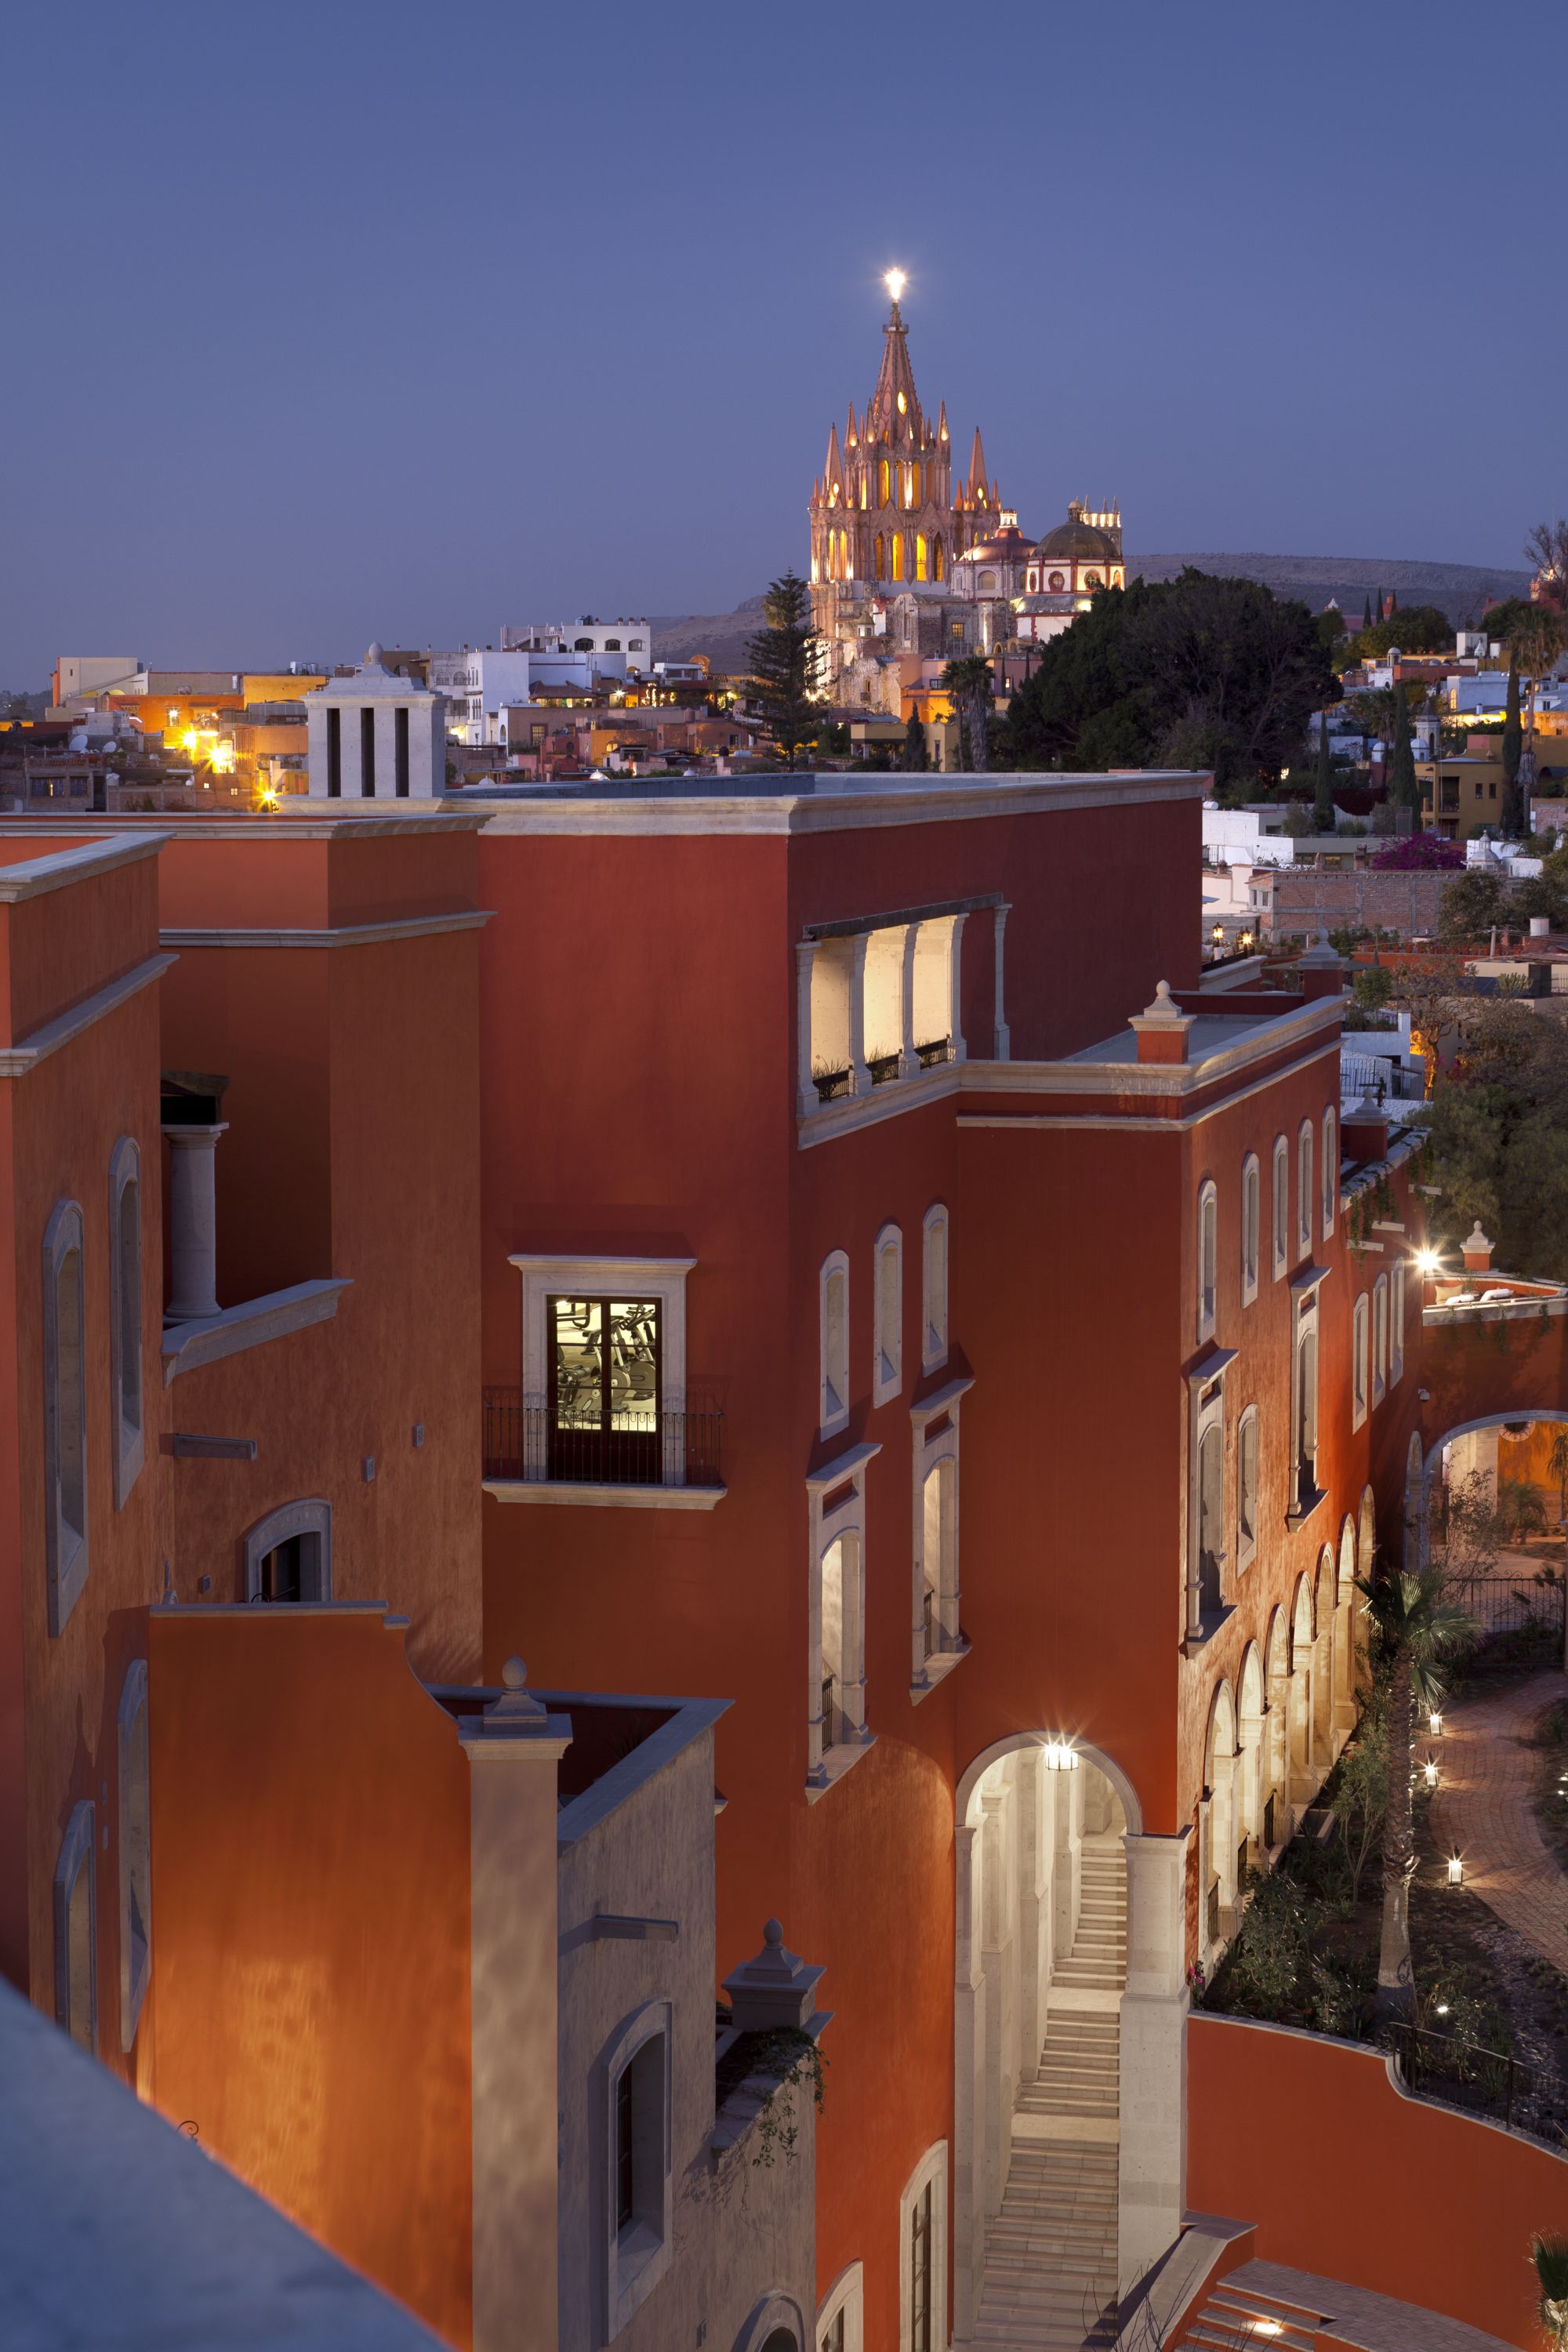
[[1512, 815], [1403, 789], [1324, 819], [1380, 614], [915, 745], [1366, 611]]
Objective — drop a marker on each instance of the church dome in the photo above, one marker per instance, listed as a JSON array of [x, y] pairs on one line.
[[1009, 546], [1077, 541]]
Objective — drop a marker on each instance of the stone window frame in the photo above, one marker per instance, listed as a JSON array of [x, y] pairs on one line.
[[1280, 1209], [66, 1545], [311, 1515], [1330, 1170], [1380, 1338], [135, 1856], [632, 2271], [935, 1442], [128, 1430], [836, 1496], [1305, 1142], [929, 2172], [1396, 1325], [846, 2294], [1247, 1428], [832, 1349], [1208, 1259], [1361, 1359], [77, 1854], [1252, 1227], [888, 1332], [935, 1316]]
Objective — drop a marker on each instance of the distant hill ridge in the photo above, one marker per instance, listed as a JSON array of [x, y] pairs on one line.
[[1459, 590]]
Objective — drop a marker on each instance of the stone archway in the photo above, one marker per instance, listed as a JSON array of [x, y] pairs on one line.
[[1057, 1883]]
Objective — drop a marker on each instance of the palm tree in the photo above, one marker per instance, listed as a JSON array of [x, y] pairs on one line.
[[1557, 1462], [1418, 1630], [1549, 2252], [969, 682]]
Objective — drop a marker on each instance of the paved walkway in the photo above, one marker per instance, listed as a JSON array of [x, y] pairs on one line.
[[1483, 1810]]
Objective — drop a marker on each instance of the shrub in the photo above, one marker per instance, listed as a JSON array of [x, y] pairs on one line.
[[1420, 853]]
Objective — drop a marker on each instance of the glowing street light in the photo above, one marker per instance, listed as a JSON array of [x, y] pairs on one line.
[[1430, 1771], [1061, 1755], [1455, 1870], [1435, 1724], [1427, 1262], [895, 281]]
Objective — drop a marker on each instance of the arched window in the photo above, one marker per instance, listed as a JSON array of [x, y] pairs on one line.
[[135, 1852], [898, 555], [1251, 1225], [834, 1336], [1304, 1190], [1211, 1517], [1396, 1325], [1304, 1410], [1031, 581], [582, 645], [76, 1929], [611, 644], [887, 1340], [938, 560], [289, 1554], [1380, 1338], [933, 1289], [1247, 1487], [881, 557], [636, 2144], [881, 481], [921, 555], [1358, 1361], [923, 2222], [125, 1314], [1208, 1258], [1331, 1170], [1281, 1206], [840, 2316], [64, 1412]]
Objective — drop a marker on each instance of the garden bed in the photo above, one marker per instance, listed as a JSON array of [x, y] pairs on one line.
[[1305, 1953]]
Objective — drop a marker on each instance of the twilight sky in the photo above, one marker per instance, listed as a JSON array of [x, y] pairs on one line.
[[330, 321]]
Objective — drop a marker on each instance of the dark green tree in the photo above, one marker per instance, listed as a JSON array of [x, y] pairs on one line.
[[915, 762], [784, 658], [1403, 789], [1366, 611], [969, 682], [1419, 629], [1196, 672], [1510, 816], [1324, 818]]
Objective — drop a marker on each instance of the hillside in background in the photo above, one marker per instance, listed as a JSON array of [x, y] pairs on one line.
[[1460, 590]]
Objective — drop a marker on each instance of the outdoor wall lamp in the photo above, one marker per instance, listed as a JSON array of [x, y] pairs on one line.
[[1455, 1870], [1434, 1723], [1060, 1757], [1430, 1769]]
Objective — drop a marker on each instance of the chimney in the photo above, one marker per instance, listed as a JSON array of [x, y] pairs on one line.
[[1162, 1029], [1477, 1251]]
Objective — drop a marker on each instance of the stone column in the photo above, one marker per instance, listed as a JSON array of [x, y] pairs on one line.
[[1003, 1046], [807, 1099], [193, 1222], [1152, 2156], [859, 1075], [969, 2097], [513, 1748]]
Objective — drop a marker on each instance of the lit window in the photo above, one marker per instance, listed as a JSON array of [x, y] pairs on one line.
[[837, 1734], [888, 1346], [135, 1852], [933, 1290], [1281, 1206], [125, 1314], [1208, 1258], [1304, 1410], [76, 1929], [64, 1412], [1331, 1170], [1247, 1487], [1304, 1191], [834, 1343], [1252, 1227]]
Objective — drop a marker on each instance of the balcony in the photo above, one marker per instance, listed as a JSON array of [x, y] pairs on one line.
[[647, 1459]]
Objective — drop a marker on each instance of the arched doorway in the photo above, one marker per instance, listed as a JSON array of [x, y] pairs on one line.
[[1301, 1784], [1489, 1505], [1345, 1614], [1252, 1713], [1277, 1736], [1325, 1748], [1052, 1864], [1218, 1873]]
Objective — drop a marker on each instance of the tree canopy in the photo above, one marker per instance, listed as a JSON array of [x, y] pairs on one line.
[[784, 657], [1498, 1128], [1418, 629], [1196, 672]]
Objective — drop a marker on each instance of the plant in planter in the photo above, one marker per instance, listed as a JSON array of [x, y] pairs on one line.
[[829, 1083], [936, 1049]]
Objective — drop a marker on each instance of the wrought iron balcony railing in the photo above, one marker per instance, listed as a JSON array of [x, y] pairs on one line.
[[644, 1449]]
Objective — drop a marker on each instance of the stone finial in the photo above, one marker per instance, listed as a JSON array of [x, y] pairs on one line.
[[776, 1989], [1477, 1251], [1162, 1028], [514, 1704], [1322, 972], [373, 657]]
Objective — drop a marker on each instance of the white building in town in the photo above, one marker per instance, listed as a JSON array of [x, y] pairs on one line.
[[374, 736], [619, 648]]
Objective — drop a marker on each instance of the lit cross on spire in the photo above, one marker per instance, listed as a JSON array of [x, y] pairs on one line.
[[895, 281]]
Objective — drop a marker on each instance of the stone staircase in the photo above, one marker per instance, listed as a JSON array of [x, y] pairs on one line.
[[1235, 2317], [1050, 2253]]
